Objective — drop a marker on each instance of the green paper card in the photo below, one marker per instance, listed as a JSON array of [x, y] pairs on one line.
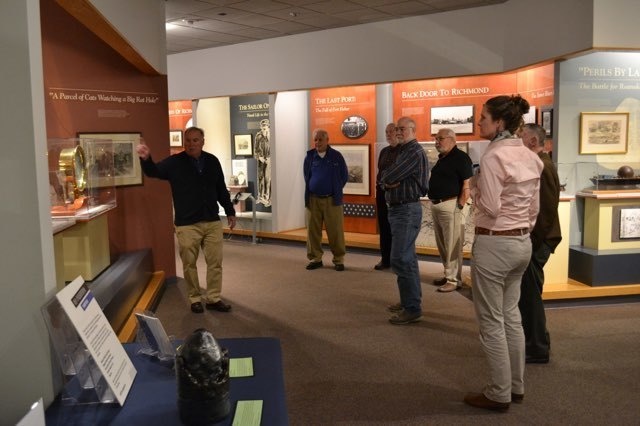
[[248, 413], [240, 367]]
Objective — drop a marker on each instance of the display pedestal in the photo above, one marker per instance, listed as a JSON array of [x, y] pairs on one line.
[[606, 257], [600, 218], [86, 248], [556, 270]]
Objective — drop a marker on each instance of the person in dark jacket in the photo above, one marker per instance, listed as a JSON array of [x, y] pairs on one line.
[[545, 237], [386, 159], [325, 175], [197, 186]]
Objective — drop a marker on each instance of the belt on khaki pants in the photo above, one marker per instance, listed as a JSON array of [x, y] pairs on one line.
[[434, 202], [508, 232]]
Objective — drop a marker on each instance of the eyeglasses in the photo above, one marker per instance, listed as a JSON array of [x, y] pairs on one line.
[[402, 129], [440, 139]]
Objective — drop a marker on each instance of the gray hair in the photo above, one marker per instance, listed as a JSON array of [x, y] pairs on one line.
[[538, 131]]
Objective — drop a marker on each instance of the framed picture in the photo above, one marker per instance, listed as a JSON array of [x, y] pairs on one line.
[[357, 159], [432, 152], [242, 145], [546, 120], [457, 118], [175, 138], [111, 158], [354, 127], [531, 116], [604, 132]]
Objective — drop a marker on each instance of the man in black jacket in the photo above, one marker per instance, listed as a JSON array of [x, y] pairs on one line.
[[197, 186], [545, 237]]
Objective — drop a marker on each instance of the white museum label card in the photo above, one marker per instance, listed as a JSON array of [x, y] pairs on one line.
[[98, 336], [630, 223]]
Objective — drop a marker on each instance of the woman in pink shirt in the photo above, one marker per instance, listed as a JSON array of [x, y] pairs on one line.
[[506, 197]]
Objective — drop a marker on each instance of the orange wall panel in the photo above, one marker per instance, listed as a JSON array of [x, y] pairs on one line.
[[328, 108]]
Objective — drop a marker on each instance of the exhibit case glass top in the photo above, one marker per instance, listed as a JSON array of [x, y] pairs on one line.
[[604, 176], [81, 177]]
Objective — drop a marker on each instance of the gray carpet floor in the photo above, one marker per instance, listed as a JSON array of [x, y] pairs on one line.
[[344, 364]]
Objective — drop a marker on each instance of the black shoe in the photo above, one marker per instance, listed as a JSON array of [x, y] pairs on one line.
[[440, 282], [517, 397], [339, 267], [219, 306], [380, 266], [314, 265], [197, 308], [537, 359]]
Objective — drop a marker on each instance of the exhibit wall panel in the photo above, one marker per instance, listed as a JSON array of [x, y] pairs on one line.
[[291, 133], [598, 82], [212, 116], [556, 270], [90, 88], [26, 255]]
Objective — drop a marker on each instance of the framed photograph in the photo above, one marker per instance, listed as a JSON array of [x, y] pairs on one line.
[[531, 116], [111, 158], [175, 138], [354, 127], [604, 132], [457, 118], [546, 121], [432, 152], [357, 159], [242, 145]]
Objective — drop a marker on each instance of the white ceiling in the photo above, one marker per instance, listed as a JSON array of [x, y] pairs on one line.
[[201, 24]]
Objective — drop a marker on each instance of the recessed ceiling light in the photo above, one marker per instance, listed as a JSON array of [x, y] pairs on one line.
[[169, 26]]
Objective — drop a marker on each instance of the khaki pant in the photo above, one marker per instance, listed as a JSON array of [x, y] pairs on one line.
[[191, 238], [322, 210], [497, 266], [448, 224]]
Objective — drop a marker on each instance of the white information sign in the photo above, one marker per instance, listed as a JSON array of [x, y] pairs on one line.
[[98, 336]]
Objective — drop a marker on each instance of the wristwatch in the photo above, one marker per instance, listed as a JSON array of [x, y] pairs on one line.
[[72, 163]]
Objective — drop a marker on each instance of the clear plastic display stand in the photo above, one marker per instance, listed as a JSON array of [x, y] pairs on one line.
[[84, 383], [153, 339]]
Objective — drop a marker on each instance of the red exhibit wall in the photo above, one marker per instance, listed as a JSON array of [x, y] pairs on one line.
[[328, 109], [89, 88], [417, 98]]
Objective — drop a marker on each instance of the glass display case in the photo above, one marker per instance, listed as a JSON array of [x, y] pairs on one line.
[[606, 176], [81, 177]]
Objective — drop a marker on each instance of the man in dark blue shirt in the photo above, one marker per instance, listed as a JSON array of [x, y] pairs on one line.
[[325, 175], [197, 186], [404, 183]]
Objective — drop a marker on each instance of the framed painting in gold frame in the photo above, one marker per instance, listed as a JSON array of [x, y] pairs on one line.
[[604, 132], [117, 149]]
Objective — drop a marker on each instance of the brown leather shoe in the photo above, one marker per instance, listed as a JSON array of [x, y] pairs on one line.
[[447, 288], [480, 401]]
